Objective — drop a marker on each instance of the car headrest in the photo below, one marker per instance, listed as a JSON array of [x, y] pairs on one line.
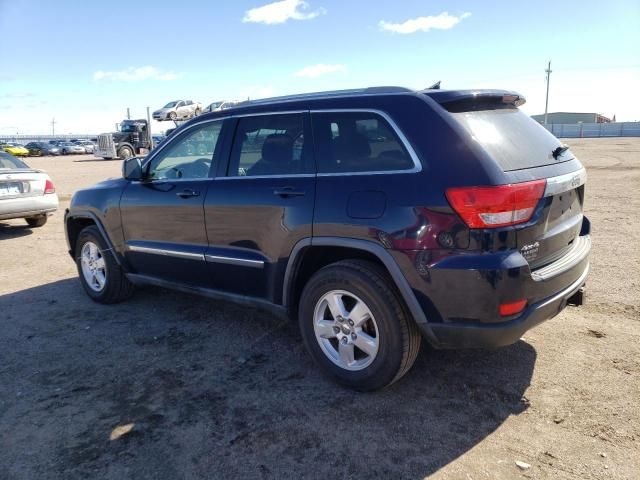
[[353, 145], [277, 148]]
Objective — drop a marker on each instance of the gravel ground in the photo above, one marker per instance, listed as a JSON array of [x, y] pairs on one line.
[[172, 386]]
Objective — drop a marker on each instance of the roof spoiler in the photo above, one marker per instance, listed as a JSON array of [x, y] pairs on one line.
[[468, 100]]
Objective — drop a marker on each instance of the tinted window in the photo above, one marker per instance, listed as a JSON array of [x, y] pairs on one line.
[[358, 142], [189, 156], [512, 138], [270, 145]]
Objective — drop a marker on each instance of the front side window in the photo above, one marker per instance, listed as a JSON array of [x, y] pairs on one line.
[[358, 142], [270, 145], [189, 156]]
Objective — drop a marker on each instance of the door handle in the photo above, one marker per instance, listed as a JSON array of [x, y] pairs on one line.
[[188, 193], [286, 192]]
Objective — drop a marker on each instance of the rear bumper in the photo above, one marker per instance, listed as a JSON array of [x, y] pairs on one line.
[[461, 293], [491, 335], [28, 206]]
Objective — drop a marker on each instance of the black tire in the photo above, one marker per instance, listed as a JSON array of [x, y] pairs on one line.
[[124, 153], [173, 115], [64, 152], [35, 222], [398, 336], [117, 286], [197, 112]]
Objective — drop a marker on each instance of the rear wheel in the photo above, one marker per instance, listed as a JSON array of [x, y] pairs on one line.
[[355, 326], [35, 222], [101, 276]]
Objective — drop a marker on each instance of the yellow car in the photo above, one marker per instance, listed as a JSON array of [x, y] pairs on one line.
[[14, 149]]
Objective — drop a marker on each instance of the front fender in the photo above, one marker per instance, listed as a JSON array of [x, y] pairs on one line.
[[101, 205]]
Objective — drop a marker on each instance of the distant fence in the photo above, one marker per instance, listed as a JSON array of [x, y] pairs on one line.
[[24, 139], [593, 130]]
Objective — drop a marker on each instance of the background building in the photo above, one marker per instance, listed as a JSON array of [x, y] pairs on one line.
[[571, 117]]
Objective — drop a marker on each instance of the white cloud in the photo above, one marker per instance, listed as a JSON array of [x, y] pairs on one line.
[[134, 74], [313, 71], [280, 12], [444, 21]]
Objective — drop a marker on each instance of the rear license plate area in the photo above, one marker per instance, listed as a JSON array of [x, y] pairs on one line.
[[11, 189]]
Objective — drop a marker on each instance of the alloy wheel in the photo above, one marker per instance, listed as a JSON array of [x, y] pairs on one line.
[[93, 266], [346, 330]]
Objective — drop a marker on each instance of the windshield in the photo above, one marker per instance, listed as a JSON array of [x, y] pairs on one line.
[[127, 127], [512, 138], [170, 105], [10, 162], [215, 105]]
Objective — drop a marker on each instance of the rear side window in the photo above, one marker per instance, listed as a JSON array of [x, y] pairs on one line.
[[512, 138], [270, 145], [10, 162], [358, 142]]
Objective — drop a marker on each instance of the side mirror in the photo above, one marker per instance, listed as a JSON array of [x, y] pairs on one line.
[[132, 169]]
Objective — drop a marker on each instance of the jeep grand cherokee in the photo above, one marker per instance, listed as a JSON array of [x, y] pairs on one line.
[[377, 217]]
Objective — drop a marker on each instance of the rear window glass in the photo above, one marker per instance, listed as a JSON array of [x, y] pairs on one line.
[[358, 142], [512, 138], [10, 162]]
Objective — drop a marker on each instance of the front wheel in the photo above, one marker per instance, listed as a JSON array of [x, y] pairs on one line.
[[173, 115], [124, 153], [356, 327], [101, 276]]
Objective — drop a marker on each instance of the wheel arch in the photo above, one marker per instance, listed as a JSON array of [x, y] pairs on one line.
[[311, 254], [76, 222]]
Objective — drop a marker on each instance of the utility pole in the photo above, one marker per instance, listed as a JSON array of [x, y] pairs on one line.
[[53, 127], [149, 129], [546, 102], [128, 114]]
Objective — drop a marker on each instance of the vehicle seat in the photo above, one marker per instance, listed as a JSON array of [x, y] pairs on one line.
[[277, 155], [351, 152]]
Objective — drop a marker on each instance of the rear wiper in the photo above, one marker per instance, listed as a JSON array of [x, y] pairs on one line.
[[559, 151]]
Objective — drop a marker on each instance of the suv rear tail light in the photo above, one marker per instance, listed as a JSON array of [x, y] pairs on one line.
[[49, 187], [499, 206]]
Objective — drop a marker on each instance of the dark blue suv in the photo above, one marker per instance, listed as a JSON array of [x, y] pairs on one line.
[[377, 217]]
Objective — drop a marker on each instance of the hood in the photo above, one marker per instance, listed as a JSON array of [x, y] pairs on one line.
[[120, 136]]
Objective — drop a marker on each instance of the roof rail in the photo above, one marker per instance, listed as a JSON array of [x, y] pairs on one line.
[[328, 94]]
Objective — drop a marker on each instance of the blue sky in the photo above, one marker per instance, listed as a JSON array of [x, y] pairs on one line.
[[85, 62]]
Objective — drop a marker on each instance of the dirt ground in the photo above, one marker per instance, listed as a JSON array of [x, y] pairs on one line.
[[173, 386]]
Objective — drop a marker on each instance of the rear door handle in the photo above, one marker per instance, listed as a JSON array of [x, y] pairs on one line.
[[286, 192], [188, 193]]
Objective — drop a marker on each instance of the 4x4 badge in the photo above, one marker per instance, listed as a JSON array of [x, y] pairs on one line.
[[529, 252]]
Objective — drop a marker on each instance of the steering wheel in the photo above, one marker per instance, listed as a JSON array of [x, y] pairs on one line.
[[201, 167]]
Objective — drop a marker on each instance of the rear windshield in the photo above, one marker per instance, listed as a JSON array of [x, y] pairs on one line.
[[10, 162], [512, 138]]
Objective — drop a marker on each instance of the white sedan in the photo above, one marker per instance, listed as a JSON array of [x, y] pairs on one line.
[[25, 192]]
